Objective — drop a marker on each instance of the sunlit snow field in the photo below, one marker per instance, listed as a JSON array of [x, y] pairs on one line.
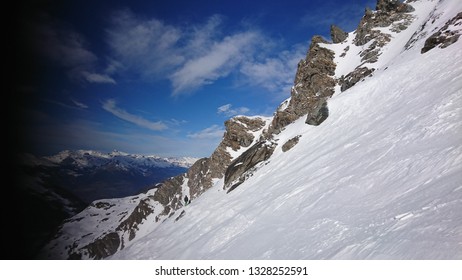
[[381, 178]]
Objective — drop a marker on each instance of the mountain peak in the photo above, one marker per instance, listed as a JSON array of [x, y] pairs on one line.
[[393, 6]]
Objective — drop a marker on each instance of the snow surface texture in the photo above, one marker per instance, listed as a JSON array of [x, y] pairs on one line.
[[381, 178]]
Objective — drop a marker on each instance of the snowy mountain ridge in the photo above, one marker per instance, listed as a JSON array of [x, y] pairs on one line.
[[60, 186], [363, 161], [92, 159], [94, 175]]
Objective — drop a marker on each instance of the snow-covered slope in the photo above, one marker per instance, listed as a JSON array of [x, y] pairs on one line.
[[380, 178]]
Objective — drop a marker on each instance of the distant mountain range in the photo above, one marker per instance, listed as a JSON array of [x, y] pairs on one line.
[[57, 187], [92, 175]]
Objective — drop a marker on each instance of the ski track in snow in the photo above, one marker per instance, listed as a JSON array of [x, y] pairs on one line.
[[381, 178]]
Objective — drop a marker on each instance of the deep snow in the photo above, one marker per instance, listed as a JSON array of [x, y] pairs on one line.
[[381, 178]]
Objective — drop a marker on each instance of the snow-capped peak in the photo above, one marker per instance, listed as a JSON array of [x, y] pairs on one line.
[[92, 159]]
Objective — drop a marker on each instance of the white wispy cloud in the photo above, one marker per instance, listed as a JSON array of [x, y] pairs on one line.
[[98, 78], [275, 74], [192, 56], [201, 37], [218, 62], [75, 104], [110, 105], [147, 46], [189, 56], [79, 104], [229, 111], [175, 122], [215, 131]]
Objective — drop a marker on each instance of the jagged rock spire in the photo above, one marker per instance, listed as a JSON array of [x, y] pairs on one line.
[[337, 34], [313, 84], [387, 5]]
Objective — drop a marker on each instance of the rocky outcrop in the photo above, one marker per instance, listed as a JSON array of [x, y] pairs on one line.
[[393, 6], [199, 178], [388, 12], [313, 84], [239, 134], [290, 143], [102, 247], [353, 77], [130, 225], [445, 36], [240, 169], [167, 190], [337, 34], [318, 114]]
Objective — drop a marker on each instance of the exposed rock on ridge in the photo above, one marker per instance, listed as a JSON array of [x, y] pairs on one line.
[[388, 13], [337, 34], [353, 77], [313, 84], [238, 170], [445, 36]]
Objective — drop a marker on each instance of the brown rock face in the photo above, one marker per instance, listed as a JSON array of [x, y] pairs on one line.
[[388, 12], [239, 169], [238, 130], [337, 34], [318, 114], [102, 247], [167, 190], [290, 143], [200, 175], [392, 6], [237, 135], [445, 36], [141, 211], [313, 85], [353, 77]]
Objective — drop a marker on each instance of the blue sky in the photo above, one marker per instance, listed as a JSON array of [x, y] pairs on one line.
[[159, 77]]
